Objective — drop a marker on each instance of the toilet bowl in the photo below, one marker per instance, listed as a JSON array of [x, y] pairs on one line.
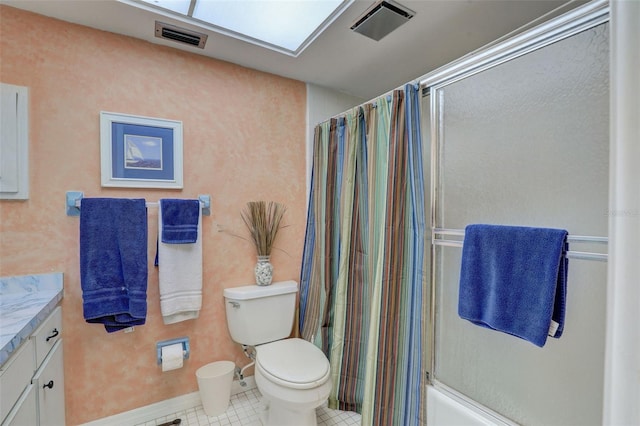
[[293, 375]]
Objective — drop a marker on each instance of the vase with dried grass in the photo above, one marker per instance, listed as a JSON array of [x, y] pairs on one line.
[[263, 221]]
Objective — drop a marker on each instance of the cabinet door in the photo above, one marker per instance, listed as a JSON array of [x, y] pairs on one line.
[[14, 141], [25, 411], [15, 375], [49, 381]]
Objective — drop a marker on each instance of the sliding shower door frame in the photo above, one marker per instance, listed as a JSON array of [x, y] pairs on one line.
[[552, 31]]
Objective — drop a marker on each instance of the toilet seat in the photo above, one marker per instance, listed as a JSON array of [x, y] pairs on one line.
[[293, 363]]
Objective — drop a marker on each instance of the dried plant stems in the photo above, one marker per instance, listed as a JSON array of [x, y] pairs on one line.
[[263, 221]]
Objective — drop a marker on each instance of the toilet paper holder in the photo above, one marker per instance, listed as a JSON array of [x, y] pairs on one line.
[[185, 347]]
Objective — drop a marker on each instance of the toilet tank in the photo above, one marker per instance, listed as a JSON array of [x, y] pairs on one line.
[[260, 314]]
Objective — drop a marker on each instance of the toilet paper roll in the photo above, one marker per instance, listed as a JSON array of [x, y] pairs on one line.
[[172, 357]]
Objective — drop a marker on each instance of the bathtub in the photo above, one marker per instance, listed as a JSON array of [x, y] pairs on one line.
[[444, 409]]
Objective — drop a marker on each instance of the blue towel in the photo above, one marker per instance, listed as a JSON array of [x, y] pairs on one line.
[[113, 261], [514, 279], [179, 221]]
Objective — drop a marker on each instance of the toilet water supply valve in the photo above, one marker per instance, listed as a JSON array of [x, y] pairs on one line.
[[249, 352]]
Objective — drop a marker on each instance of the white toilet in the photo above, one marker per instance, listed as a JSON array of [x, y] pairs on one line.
[[292, 374]]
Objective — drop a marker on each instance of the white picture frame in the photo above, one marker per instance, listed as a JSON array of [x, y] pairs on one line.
[[140, 152]]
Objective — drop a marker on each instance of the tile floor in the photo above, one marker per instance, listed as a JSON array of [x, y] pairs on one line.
[[244, 409]]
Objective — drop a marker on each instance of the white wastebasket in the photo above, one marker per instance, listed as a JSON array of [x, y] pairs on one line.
[[214, 383]]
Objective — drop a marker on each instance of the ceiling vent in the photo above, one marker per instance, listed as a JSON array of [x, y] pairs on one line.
[[382, 18], [180, 35]]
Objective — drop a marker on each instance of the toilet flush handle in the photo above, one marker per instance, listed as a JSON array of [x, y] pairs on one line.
[[236, 305]]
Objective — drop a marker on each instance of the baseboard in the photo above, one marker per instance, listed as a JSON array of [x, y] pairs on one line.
[[164, 408]]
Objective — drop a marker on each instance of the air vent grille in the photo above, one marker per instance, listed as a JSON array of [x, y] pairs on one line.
[[381, 19], [180, 35]]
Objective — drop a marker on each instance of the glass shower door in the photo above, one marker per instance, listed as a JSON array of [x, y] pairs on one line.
[[525, 142]]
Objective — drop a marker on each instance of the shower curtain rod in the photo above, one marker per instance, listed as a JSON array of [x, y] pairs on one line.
[[571, 254], [415, 82]]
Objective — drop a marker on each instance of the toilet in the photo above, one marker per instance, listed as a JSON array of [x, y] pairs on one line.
[[292, 374]]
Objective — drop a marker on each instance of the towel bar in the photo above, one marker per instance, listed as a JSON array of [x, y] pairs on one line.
[[602, 257], [73, 199]]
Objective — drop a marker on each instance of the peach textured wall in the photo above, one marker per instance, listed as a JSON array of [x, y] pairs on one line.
[[244, 139]]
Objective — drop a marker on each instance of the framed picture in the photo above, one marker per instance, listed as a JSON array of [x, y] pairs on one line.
[[140, 152]]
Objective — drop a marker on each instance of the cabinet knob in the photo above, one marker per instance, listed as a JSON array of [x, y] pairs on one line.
[[54, 333], [48, 385]]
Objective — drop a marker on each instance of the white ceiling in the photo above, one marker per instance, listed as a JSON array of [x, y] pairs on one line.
[[440, 32]]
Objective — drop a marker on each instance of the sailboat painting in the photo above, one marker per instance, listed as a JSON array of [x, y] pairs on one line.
[[142, 152]]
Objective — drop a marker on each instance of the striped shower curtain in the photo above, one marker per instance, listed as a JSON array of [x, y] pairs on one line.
[[362, 295]]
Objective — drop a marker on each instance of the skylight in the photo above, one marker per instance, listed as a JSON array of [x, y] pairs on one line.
[[288, 26]]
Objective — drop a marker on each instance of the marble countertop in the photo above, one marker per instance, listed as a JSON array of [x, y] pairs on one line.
[[25, 302]]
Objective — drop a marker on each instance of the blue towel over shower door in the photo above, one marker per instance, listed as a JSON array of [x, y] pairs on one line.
[[513, 279]]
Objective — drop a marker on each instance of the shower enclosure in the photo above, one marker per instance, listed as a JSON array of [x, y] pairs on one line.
[[519, 135]]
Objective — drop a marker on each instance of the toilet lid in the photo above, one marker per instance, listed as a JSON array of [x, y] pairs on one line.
[[293, 360]]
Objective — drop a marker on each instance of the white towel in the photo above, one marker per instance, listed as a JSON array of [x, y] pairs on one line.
[[180, 277]]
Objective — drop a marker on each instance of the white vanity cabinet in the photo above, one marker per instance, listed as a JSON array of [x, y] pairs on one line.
[[32, 380]]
